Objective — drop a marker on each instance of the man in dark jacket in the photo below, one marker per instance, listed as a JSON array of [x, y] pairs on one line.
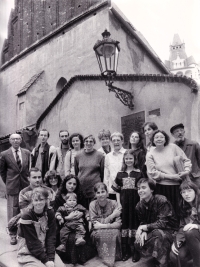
[[14, 170], [191, 149], [42, 155]]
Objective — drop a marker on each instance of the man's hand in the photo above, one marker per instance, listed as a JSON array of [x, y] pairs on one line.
[[143, 237]]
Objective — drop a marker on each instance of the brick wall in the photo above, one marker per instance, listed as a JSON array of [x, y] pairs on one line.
[[33, 19]]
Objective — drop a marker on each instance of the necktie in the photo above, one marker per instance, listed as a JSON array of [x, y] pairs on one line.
[[18, 160]]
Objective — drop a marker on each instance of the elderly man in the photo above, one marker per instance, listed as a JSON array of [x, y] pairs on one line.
[[42, 155], [14, 169], [191, 149], [113, 162]]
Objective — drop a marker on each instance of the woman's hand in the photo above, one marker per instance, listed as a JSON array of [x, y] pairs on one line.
[[174, 177], [174, 249], [116, 213], [183, 174], [190, 226], [98, 225], [74, 215], [49, 264]]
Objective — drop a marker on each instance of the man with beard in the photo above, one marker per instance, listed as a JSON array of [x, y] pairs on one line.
[[59, 156], [191, 149], [42, 155]]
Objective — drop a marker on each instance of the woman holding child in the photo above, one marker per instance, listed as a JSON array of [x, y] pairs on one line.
[[37, 234], [106, 224], [74, 253]]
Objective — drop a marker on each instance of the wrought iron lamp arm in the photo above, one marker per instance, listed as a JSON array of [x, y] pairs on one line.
[[124, 96]]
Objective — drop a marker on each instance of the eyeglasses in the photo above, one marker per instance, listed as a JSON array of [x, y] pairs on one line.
[[89, 142]]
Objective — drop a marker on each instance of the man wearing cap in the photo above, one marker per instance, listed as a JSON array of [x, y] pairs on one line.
[[191, 149]]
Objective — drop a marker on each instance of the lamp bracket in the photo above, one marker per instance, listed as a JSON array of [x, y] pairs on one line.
[[124, 96]]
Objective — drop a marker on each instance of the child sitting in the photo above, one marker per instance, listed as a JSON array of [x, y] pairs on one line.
[[71, 223]]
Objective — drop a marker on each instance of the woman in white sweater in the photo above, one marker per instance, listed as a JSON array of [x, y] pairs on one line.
[[161, 166]]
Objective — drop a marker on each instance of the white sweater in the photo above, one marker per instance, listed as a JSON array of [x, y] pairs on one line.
[[161, 162]]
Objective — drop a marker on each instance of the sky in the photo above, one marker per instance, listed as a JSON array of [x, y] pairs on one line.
[[157, 20]]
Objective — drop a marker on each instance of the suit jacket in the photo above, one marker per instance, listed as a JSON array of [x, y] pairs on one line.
[[14, 178], [192, 151]]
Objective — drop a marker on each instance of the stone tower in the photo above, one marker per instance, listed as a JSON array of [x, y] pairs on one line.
[[179, 63]]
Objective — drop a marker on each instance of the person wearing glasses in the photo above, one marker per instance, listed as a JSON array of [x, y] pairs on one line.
[[89, 167], [14, 171], [53, 180]]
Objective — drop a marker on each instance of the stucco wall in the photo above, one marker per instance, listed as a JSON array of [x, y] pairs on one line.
[[88, 107], [65, 55]]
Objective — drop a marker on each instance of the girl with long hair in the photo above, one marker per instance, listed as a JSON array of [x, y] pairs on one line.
[[127, 197]]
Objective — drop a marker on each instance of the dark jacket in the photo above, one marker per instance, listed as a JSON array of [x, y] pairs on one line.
[[47, 155], [14, 178], [157, 213], [192, 151]]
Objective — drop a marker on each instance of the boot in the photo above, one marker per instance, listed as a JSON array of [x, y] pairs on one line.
[[125, 254], [135, 254]]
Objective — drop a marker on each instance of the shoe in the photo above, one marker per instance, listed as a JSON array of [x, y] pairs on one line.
[[13, 240], [80, 241], [135, 256], [125, 257], [61, 248]]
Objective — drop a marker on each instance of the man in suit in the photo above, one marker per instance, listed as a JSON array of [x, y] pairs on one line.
[[42, 156], [191, 149], [14, 170]]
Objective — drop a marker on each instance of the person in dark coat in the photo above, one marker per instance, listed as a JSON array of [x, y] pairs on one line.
[[14, 171], [190, 148], [158, 224]]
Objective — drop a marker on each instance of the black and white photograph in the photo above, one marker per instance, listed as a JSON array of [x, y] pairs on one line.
[[99, 133]]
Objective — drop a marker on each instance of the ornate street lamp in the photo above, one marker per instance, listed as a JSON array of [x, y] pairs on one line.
[[107, 53]]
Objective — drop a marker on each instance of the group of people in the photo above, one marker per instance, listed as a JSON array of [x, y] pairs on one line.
[[131, 202]]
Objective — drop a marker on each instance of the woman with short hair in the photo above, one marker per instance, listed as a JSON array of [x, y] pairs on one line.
[[104, 138], [89, 168], [106, 224], [161, 166], [53, 180]]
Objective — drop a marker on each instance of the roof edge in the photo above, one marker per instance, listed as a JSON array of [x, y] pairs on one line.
[[132, 31], [123, 77]]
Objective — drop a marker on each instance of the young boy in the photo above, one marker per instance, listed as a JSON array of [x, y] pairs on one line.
[[77, 225]]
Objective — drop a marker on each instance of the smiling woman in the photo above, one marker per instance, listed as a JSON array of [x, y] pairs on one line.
[[89, 167], [161, 167]]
